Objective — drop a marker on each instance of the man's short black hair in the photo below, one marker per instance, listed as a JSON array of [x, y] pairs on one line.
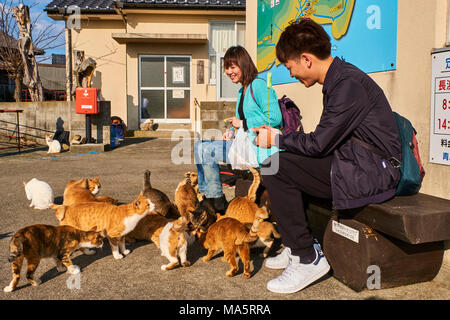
[[302, 36]]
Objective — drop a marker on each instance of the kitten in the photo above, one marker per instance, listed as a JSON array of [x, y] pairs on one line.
[[39, 241], [163, 206], [84, 190], [203, 215], [185, 196], [53, 145], [244, 208], [40, 193], [117, 221], [230, 235]]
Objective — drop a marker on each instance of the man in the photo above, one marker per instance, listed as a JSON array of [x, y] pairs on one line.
[[335, 161]]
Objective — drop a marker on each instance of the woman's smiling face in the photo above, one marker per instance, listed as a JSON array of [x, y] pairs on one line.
[[234, 73]]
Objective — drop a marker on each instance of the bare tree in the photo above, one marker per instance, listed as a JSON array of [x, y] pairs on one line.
[[12, 57]]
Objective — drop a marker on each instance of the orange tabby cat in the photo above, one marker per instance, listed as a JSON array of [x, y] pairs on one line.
[[265, 232], [169, 235], [84, 190], [185, 196], [39, 241], [244, 208], [230, 235], [117, 221]]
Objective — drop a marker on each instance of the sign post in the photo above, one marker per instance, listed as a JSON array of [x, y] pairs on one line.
[[440, 107]]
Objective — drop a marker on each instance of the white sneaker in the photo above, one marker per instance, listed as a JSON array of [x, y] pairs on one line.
[[281, 261], [297, 276]]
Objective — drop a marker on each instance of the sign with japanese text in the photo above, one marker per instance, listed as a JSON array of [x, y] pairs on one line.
[[440, 107]]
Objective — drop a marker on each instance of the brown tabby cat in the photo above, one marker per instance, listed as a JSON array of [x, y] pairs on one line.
[[230, 235], [39, 241], [185, 196], [244, 208], [84, 190], [117, 221], [203, 215], [163, 206]]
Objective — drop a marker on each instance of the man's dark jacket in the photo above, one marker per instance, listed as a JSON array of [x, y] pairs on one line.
[[354, 105]]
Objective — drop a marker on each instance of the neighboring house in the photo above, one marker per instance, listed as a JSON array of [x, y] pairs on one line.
[[155, 57]]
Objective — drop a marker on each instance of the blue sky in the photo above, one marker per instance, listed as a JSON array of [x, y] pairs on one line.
[[44, 22]]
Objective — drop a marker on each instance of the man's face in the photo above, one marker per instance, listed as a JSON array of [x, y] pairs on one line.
[[300, 69]]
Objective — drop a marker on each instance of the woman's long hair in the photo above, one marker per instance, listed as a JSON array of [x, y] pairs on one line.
[[239, 56]]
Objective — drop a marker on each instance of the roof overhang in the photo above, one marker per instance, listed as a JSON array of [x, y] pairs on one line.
[[160, 38]]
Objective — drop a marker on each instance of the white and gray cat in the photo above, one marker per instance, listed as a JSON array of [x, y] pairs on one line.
[[40, 193]]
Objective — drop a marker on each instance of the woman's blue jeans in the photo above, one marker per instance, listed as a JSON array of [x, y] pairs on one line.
[[207, 155]]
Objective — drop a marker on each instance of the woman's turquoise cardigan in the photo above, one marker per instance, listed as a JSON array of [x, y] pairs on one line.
[[257, 113]]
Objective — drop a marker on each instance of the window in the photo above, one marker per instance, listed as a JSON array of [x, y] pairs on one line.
[[223, 34]]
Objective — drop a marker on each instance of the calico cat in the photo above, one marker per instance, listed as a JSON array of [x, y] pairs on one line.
[[230, 235], [185, 196], [163, 206], [53, 145], [117, 221], [84, 190], [39, 241], [244, 208], [40, 193], [266, 230]]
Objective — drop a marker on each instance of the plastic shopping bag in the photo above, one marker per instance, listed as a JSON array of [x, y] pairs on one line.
[[242, 153]]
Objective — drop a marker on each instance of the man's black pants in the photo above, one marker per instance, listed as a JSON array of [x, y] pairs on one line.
[[297, 175]]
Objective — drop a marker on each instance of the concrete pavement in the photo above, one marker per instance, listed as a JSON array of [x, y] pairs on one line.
[[138, 275]]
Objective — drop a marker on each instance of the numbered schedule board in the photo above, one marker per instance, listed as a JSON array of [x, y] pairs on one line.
[[440, 107]]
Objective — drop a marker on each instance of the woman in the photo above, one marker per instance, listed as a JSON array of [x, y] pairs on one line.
[[252, 110]]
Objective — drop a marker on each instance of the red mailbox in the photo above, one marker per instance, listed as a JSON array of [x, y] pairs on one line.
[[86, 100]]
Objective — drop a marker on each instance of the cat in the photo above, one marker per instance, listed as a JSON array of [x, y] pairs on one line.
[[203, 215], [244, 208], [40, 193], [173, 242], [163, 205], [117, 221], [193, 178], [266, 231], [28, 143], [185, 196], [53, 145], [230, 235], [84, 190], [39, 241]]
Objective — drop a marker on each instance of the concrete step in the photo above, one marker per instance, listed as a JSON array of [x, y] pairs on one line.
[[155, 134]]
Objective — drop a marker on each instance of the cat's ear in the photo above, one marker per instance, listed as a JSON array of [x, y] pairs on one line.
[[93, 229], [24, 183], [103, 233], [137, 203], [141, 194]]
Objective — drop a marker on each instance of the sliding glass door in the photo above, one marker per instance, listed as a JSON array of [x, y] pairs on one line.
[[165, 88]]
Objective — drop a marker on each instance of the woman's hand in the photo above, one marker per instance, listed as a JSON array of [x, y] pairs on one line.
[[235, 122], [228, 135]]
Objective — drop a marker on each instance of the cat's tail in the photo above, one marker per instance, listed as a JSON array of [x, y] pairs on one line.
[[16, 246], [255, 184], [147, 184], [60, 211]]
